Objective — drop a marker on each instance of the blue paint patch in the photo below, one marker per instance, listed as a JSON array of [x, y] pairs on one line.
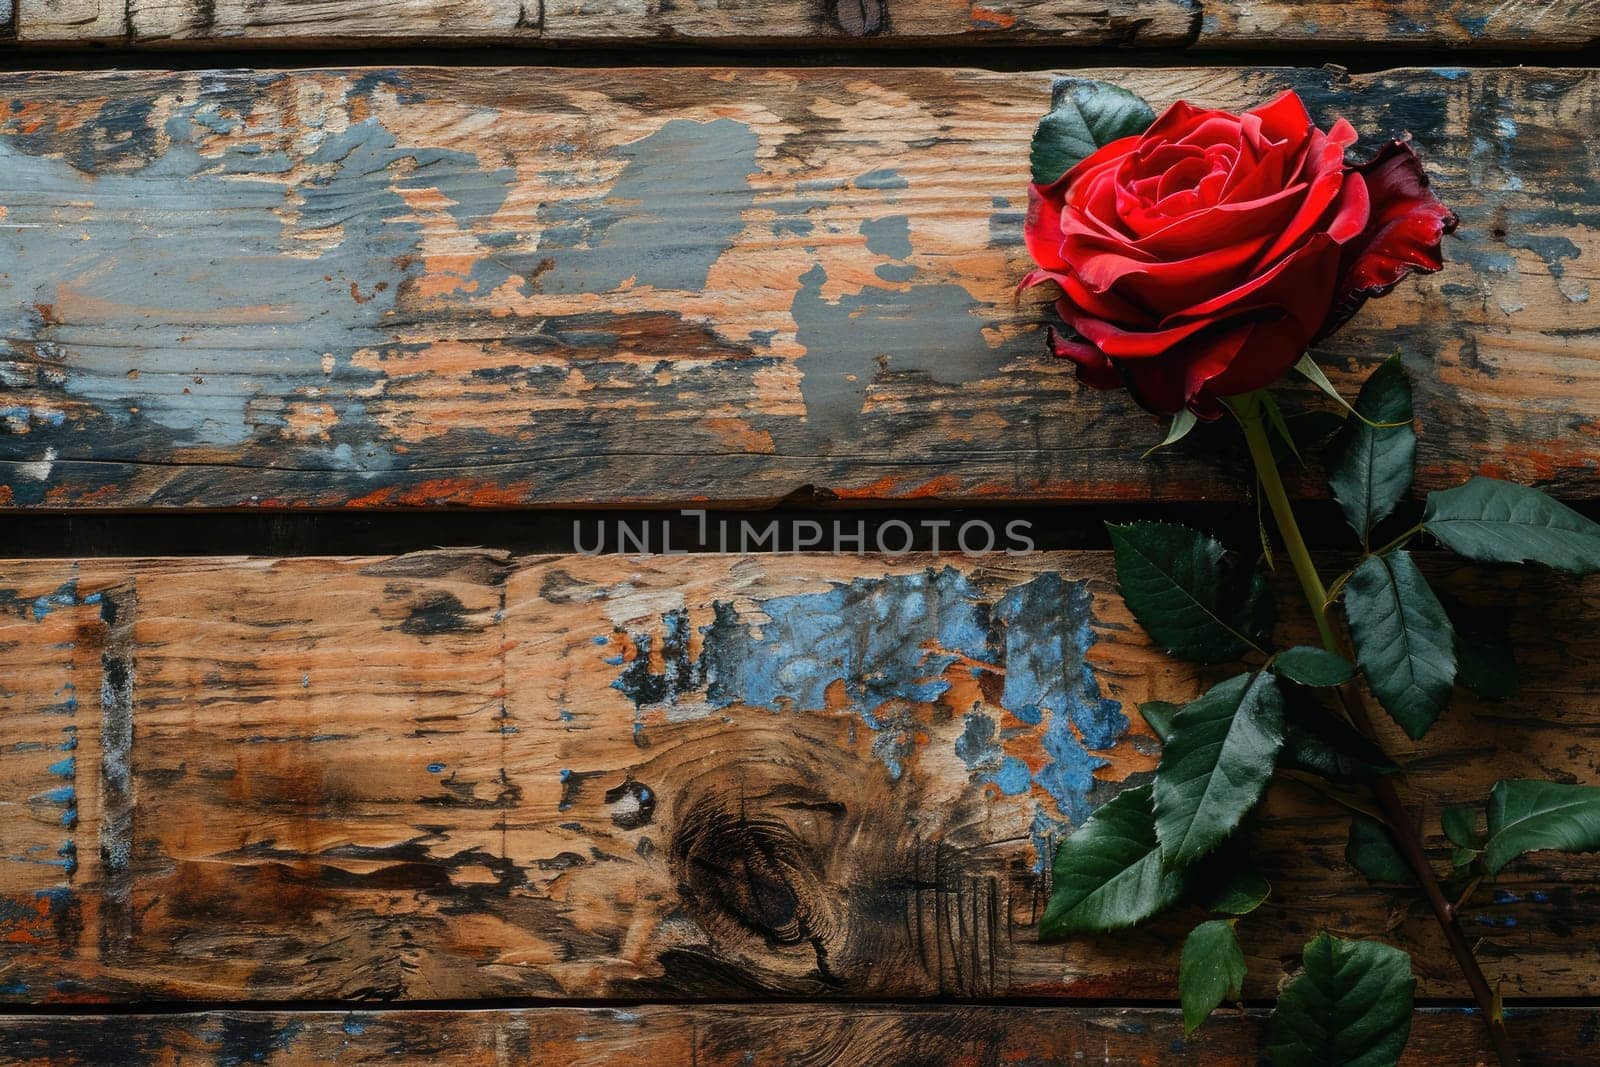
[[65, 768], [1013, 777], [354, 1026], [435, 768], [895, 272], [600, 639], [65, 596], [1495, 920], [889, 236], [881, 179], [15, 987]]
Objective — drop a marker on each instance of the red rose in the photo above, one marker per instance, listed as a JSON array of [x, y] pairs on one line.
[[1198, 260]]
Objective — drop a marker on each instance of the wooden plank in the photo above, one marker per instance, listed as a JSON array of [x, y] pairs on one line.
[[1160, 24], [457, 775], [747, 1036], [1493, 24], [1517, 24], [330, 21], [393, 288], [70, 20]]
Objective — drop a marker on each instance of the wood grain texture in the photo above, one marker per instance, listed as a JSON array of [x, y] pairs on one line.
[[393, 288], [303, 22], [1497, 24], [69, 20], [725, 1036], [454, 774], [1454, 24]]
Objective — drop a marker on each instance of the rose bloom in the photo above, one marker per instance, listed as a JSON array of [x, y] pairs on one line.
[[1199, 259]]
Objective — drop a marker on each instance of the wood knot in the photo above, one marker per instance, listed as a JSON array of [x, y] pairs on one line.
[[754, 869], [860, 18]]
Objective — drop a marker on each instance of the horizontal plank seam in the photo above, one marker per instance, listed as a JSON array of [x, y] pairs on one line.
[[21, 56], [192, 1007]]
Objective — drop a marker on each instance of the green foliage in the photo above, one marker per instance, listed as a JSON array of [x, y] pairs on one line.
[[1189, 599], [1210, 971], [1109, 874], [1316, 739], [1526, 815], [1308, 665], [1372, 851], [1242, 893], [1499, 522], [1216, 764], [1404, 641], [1159, 714], [1460, 825], [1084, 115], [1350, 1007], [1369, 467]]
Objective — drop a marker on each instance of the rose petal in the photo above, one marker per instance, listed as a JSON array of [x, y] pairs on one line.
[[1041, 230], [1092, 367], [1405, 225]]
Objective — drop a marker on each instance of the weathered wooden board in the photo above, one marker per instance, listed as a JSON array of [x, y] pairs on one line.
[[457, 775], [1530, 24], [499, 287], [1454, 24], [712, 1035]]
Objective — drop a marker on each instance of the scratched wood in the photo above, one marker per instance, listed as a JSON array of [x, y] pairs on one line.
[[391, 288], [1171, 24], [713, 1035], [455, 774]]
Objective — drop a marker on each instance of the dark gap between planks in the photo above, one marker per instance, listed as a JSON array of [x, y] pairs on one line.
[[201, 56], [33, 535], [396, 1007]]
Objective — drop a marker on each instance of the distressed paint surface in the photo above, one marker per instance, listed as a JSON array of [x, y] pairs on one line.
[[457, 774], [1502, 24], [420, 287], [725, 1036]]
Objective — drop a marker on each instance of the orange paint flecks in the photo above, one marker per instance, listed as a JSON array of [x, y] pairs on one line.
[[985, 18]]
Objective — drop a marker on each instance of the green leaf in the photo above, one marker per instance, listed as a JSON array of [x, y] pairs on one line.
[[1484, 663], [1526, 815], [1274, 414], [1186, 595], [1372, 851], [1499, 522], [1182, 423], [1404, 641], [1216, 765], [1350, 1007], [1369, 468], [1109, 873], [1159, 713], [1318, 740], [1313, 373], [1307, 665], [1210, 971], [1460, 825], [1084, 115], [1244, 892]]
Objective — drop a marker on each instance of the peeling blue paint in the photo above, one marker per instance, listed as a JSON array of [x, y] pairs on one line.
[[886, 178], [670, 215], [888, 642], [889, 236]]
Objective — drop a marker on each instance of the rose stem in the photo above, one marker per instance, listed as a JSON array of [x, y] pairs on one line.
[[1249, 411]]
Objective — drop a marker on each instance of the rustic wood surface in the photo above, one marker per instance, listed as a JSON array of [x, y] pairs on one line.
[[1171, 24], [457, 775], [710, 1035], [393, 288]]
